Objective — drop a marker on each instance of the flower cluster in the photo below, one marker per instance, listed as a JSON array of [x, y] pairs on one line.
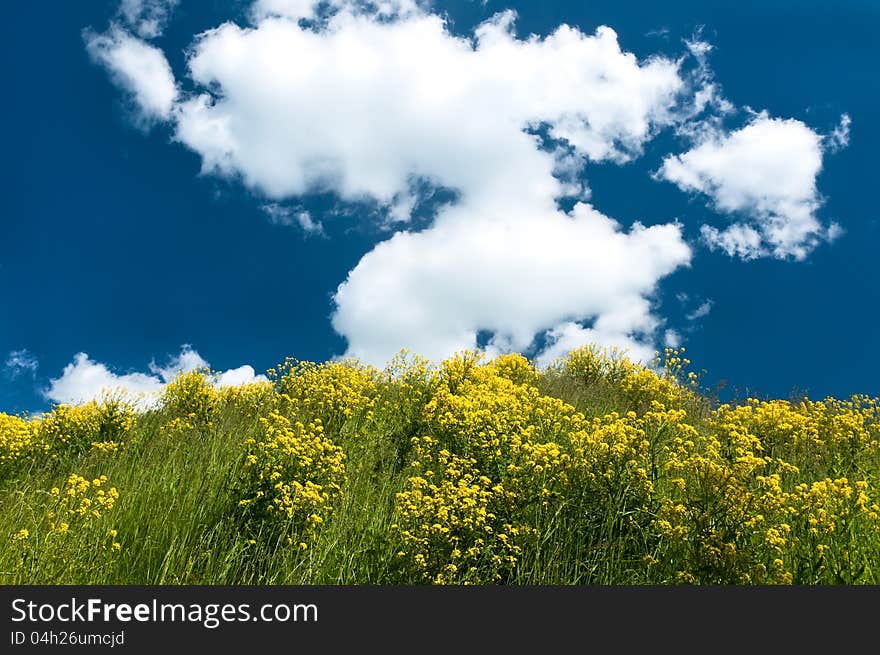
[[751, 499], [591, 365], [191, 402], [452, 520], [403, 389], [74, 521], [294, 476], [81, 500], [248, 401], [75, 506], [101, 425], [746, 493], [333, 392], [97, 425], [592, 470], [485, 472], [18, 441]]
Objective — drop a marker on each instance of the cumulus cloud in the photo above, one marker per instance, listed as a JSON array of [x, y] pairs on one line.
[[84, 379], [765, 172], [371, 100], [19, 362], [361, 107], [364, 107], [146, 17], [515, 276], [138, 68]]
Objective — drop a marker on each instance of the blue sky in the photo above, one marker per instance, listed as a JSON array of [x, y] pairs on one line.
[[162, 190]]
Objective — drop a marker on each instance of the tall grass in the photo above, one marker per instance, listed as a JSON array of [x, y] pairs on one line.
[[601, 472]]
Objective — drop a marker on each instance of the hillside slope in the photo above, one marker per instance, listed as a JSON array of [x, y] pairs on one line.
[[592, 471]]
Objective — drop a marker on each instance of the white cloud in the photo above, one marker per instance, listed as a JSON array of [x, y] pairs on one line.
[[360, 107], [515, 276], [138, 68], [701, 311], [20, 362], [187, 360], [84, 379], [363, 107], [281, 215], [367, 104], [293, 9], [736, 240], [235, 377], [839, 137], [835, 231], [672, 339], [313, 9], [146, 17], [568, 168], [765, 171]]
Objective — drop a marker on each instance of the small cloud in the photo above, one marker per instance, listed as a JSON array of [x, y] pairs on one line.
[[287, 216], [20, 362], [662, 33], [697, 46], [237, 376], [187, 360], [401, 208], [737, 240], [672, 339], [834, 232], [701, 311], [146, 17], [84, 379], [139, 69], [765, 173], [839, 137]]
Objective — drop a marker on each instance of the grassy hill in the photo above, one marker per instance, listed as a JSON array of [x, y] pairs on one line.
[[591, 471]]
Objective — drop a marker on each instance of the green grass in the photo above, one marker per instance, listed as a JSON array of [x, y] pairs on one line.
[[179, 520]]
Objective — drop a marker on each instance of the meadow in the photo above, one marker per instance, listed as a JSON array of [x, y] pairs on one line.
[[591, 471]]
